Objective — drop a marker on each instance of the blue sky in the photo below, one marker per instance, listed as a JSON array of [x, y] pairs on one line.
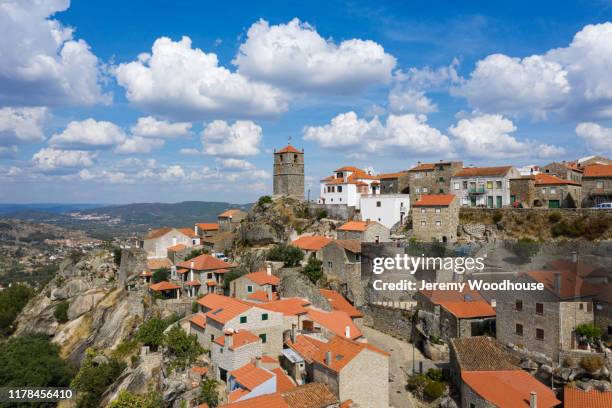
[[87, 116]]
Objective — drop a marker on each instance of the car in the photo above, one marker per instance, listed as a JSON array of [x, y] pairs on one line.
[[603, 206]]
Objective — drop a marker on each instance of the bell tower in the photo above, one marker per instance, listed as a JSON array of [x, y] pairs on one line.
[[289, 172]]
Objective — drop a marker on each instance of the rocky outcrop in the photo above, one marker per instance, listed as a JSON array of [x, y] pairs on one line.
[[133, 262], [295, 284]]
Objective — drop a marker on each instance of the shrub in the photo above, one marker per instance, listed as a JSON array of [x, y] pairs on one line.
[[263, 200], [569, 362], [126, 399], [313, 269], [208, 393], [525, 248], [321, 213], [151, 332], [61, 311], [435, 374], [196, 252], [124, 349], [161, 274], [554, 217], [182, 347], [497, 216], [94, 378], [591, 363], [290, 255], [194, 307], [117, 251], [434, 389], [12, 300], [231, 275]]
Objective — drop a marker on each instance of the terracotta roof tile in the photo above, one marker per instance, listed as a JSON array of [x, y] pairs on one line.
[[237, 394], [159, 232], [239, 339], [598, 170], [577, 398], [543, 179], [262, 278], [338, 302], [199, 370], [313, 395], [287, 306], [228, 311], [468, 310], [482, 354], [423, 167], [263, 401], [311, 243], [483, 171], [163, 285], [188, 231], [199, 319], [334, 321], [509, 389], [386, 176], [289, 149], [177, 247], [213, 301], [351, 245], [250, 376], [359, 226], [230, 213], [208, 226], [434, 200], [193, 283], [306, 346], [572, 286], [283, 381], [262, 296], [205, 262]]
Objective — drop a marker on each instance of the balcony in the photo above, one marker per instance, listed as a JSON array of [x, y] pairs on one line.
[[476, 190]]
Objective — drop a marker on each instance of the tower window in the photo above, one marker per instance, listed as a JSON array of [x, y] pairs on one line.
[[295, 158]]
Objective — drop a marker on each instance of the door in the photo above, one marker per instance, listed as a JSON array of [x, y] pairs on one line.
[[553, 204], [499, 202], [473, 201], [490, 202]]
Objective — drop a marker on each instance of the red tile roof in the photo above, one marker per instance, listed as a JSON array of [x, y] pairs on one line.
[[193, 283], [288, 149], [205, 262], [306, 346], [468, 310], [199, 319], [309, 396], [598, 170], [509, 389], [228, 311], [143, 273], [334, 321], [250, 376], [543, 179], [359, 226], [163, 285], [213, 301], [572, 285], [287, 306], [177, 247], [229, 213], [262, 401], [386, 176], [351, 245], [262, 278], [434, 200], [159, 232], [208, 226], [188, 231], [239, 339], [237, 394], [283, 381], [483, 171], [262, 296], [311, 243], [199, 370], [338, 302], [577, 398], [423, 167]]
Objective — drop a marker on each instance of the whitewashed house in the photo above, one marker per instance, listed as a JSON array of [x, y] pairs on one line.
[[347, 185], [387, 209], [156, 242], [484, 186]]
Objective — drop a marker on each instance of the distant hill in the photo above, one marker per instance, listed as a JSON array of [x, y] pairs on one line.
[[121, 220], [45, 207]]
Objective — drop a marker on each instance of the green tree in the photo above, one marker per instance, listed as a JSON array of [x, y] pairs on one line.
[[31, 360], [161, 274], [290, 255], [263, 200], [196, 252], [126, 399], [94, 378], [313, 269], [208, 393], [525, 248], [12, 300], [61, 311], [234, 273], [182, 347], [590, 331], [151, 332], [117, 251]]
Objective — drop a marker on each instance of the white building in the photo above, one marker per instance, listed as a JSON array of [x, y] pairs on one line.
[[484, 186], [347, 185], [387, 209], [156, 242], [529, 170]]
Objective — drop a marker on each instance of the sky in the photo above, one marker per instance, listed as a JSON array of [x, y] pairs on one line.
[[166, 101]]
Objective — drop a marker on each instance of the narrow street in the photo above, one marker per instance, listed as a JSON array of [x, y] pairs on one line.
[[399, 362]]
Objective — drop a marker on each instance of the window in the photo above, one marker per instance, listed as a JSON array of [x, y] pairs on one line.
[[599, 184], [518, 305], [212, 337], [358, 257], [243, 319], [425, 190], [580, 306], [378, 203], [418, 190], [489, 185], [441, 179], [329, 264], [333, 189], [438, 223], [553, 190], [437, 210], [457, 186], [295, 156], [422, 210], [264, 316], [423, 223], [263, 337], [498, 184], [209, 276], [339, 189], [543, 190], [589, 307], [519, 329], [465, 185], [540, 308], [472, 405], [249, 288], [441, 191], [539, 334]]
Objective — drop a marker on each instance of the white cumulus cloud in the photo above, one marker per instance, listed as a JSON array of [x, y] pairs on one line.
[[160, 129], [42, 63], [139, 145], [597, 138], [295, 56], [410, 100], [184, 82], [237, 164], [55, 160], [242, 138], [88, 134], [21, 125]]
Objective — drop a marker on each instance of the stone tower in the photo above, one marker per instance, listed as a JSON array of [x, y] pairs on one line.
[[289, 172]]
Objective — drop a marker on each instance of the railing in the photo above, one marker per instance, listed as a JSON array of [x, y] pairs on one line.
[[476, 190]]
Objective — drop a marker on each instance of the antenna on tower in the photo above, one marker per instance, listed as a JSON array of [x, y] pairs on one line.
[[289, 140]]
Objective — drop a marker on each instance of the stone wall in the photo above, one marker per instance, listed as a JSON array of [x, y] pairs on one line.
[[389, 320], [288, 172], [334, 211]]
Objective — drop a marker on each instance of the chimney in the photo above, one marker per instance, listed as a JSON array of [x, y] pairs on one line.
[[574, 257], [229, 339], [192, 265], [328, 358], [347, 332], [258, 361], [293, 333], [533, 400], [269, 269], [195, 229], [558, 283]]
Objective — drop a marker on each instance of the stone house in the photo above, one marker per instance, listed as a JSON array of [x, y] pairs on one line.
[[288, 170], [553, 192], [312, 395], [156, 242], [484, 186], [219, 242], [563, 170], [544, 321], [431, 178], [229, 220], [225, 313], [436, 217], [460, 314], [364, 231], [603, 310], [395, 183], [293, 310], [166, 289], [252, 283], [329, 324], [346, 186], [342, 263], [352, 370], [250, 381], [197, 326], [522, 191], [339, 303], [206, 229], [233, 350], [204, 270], [597, 184], [311, 245], [590, 160]]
